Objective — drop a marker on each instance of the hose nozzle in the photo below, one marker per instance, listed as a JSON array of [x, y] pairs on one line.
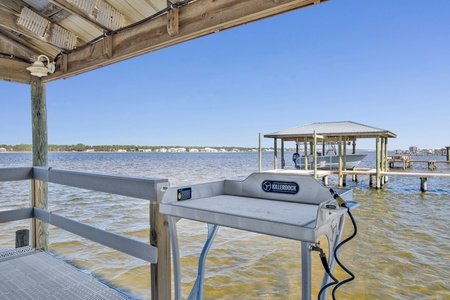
[[339, 199]]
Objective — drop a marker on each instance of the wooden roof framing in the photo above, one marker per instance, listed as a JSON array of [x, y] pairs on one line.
[[82, 35]]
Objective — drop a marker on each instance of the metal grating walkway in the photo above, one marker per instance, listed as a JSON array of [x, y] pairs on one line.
[[33, 274]]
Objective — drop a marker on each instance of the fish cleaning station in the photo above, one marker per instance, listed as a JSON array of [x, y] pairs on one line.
[[288, 206], [43, 41]]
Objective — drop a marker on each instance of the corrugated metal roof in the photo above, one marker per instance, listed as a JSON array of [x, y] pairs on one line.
[[332, 130]]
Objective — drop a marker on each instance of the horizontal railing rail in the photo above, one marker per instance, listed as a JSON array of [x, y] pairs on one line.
[[14, 174], [16, 214], [136, 187]]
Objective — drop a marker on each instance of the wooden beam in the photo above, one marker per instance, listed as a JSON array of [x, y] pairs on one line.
[[63, 64], [15, 5], [107, 46], [10, 44], [196, 19], [13, 70], [173, 24], [19, 46]]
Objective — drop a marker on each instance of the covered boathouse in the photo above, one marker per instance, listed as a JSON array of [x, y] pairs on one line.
[[315, 137], [46, 40]]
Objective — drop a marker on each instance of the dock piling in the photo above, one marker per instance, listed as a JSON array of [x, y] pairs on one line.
[[22, 238], [448, 154], [432, 165], [423, 184]]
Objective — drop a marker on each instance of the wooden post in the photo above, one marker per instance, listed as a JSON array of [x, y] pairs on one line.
[[378, 163], [160, 238], [305, 141], [448, 154], [283, 162], [382, 159], [344, 163], [386, 164], [275, 154], [39, 195], [315, 154], [260, 152], [340, 177]]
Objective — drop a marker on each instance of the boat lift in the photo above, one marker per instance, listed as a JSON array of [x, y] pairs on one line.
[[290, 206]]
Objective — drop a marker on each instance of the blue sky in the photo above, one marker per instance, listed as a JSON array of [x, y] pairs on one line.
[[381, 63]]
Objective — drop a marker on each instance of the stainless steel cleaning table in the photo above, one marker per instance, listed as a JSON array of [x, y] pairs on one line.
[[290, 206]]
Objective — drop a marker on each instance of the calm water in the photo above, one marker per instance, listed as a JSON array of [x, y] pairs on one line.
[[402, 250]]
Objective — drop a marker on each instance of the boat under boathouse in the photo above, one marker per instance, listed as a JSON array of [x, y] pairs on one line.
[[324, 145]]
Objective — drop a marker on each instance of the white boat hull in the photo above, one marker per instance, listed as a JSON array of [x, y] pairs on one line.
[[330, 162]]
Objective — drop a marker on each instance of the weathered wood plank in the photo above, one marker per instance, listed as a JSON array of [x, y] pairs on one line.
[[9, 70], [15, 5]]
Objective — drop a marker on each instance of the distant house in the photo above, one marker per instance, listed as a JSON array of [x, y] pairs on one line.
[[2, 150]]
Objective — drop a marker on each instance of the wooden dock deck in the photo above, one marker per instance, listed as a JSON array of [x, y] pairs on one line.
[[324, 174], [31, 274]]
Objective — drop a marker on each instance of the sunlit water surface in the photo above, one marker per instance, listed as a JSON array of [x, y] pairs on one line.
[[402, 250]]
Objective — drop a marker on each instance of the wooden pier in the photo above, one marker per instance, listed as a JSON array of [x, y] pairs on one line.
[[407, 162], [371, 173], [404, 160]]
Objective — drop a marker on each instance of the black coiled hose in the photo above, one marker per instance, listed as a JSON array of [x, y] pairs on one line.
[[324, 262]]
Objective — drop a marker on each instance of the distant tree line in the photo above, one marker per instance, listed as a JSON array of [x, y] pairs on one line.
[[105, 148]]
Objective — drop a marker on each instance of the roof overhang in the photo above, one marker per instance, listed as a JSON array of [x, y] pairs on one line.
[[167, 26], [331, 131]]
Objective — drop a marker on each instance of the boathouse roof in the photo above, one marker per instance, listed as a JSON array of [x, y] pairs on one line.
[[331, 130], [83, 35]]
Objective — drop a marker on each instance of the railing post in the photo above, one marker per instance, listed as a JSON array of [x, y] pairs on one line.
[[39, 229], [160, 238]]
